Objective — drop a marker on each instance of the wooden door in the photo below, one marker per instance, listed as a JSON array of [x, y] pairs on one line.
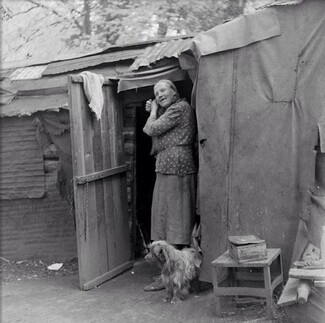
[[100, 193]]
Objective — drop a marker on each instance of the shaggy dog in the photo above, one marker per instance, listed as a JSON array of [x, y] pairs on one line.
[[177, 268]]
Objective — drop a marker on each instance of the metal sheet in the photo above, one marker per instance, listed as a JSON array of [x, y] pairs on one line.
[[21, 164], [28, 73], [25, 106], [85, 62], [40, 228], [155, 53]]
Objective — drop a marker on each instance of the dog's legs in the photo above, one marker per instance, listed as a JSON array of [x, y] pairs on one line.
[[178, 296], [184, 290], [169, 295]]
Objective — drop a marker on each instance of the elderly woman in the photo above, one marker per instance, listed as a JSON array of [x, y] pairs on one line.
[[172, 126]]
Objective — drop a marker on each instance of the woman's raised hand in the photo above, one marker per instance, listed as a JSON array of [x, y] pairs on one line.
[[151, 106], [148, 105]]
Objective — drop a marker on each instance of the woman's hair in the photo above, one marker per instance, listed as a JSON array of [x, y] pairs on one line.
[[172, 86]]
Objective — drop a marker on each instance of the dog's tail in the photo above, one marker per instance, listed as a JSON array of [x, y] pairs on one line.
[[196, 238]]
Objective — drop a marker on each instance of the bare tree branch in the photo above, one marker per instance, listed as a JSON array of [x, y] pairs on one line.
[[56, 12], [54, 24], [23, 12]]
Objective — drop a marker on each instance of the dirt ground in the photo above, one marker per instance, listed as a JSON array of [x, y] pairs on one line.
[[32, 293]]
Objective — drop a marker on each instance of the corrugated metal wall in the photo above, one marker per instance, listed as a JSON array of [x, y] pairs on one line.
[[21, 163], [41, 227]]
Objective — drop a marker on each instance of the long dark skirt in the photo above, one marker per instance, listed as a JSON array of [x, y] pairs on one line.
[[173, 208]]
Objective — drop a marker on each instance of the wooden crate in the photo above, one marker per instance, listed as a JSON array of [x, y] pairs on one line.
[[247, 248]]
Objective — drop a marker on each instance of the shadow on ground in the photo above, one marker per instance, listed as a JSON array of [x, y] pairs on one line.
[[39, 295]]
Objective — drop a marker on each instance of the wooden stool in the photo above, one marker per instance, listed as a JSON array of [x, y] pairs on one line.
[[225, 261]]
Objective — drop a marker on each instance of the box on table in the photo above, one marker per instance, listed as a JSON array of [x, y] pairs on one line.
[[247, 248]]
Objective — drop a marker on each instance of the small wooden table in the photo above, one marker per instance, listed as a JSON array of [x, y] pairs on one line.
[[225, 261]]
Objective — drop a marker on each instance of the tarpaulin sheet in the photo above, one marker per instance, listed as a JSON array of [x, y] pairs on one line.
[[54, 127], [27, 105], [258, 109], [7, 92], [237, 33], [316, 219]]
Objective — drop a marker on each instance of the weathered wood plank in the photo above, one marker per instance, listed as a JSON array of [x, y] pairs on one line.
[[101, 203], [79, 79], [99, 198], [226, 261], [289, 294], [120, 186], [108, 151], [315, 274], [301, 241], [95, 242], [108, 275], [75, 95], [101, 174], [44, 91], [121, 216], [319, 283], [240, 291], [43, 83], [86, 210], [91, 61], [249, 276]]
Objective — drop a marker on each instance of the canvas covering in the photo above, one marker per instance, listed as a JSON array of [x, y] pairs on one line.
[[151, 77], [260, 106], [54, 127]]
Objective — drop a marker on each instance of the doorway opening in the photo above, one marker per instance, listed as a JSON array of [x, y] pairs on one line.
[[145, 165]]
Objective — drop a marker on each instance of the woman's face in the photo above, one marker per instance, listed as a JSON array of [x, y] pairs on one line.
[[164, 94]]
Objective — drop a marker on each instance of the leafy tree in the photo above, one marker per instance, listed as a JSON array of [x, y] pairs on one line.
[[132, 20], [74, 26]]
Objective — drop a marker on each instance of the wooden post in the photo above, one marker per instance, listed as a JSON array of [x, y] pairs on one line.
[[268, 291], [322, 244], [215, 287]]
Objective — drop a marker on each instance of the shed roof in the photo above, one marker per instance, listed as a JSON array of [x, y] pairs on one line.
[[88, 61], [282, 3], [32, 95], [109, 50], [156, 52]]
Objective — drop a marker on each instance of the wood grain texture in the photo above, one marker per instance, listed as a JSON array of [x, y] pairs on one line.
[[100, 186], [314, 274], [289, 294]]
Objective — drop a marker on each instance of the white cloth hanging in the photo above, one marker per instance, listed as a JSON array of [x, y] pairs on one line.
[[93, 89]]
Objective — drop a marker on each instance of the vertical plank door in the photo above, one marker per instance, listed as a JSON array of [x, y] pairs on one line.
[[100, 193]]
